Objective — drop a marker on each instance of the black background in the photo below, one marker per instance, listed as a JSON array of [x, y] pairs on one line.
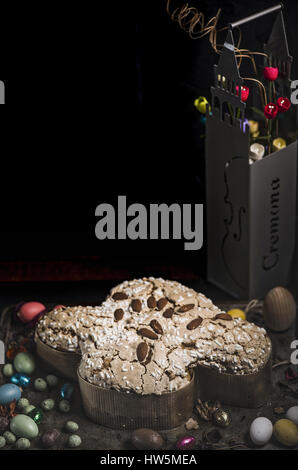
[[75, 133]]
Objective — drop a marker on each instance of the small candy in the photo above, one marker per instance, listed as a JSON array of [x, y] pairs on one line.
[[40, 385], [48, 404], [20, 379], [278, 144], [52, 380], [28, 409], [270, 73], [260, 431], [66, 391], [222, 418], [256, 151], [253, 126], [9, 393], [64, 406], [29, 310], [74, 441], [271, 111], [7, 370], [24, 363], [286, 432], [24, 426], [237, 313], [2, 442], [23, 443], [9, 437], [71, 426], [201, 103], [22, 403], [186, 443], [4, 423], [36, 415], [49, 438]]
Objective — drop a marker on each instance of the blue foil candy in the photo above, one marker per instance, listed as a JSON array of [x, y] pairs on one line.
[[66, 391], [20, 379]]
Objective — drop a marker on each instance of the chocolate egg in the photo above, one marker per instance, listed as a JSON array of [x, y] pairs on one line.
[[279, 309], [286, 432], [9, 393], [186, 443], [24, 363], [147, 439], [24, 426], [29, 310]]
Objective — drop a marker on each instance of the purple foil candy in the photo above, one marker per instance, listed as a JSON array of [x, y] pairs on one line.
[[186, 443]]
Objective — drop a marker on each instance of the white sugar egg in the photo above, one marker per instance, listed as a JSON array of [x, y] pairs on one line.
[[261, 430], [292, 414]]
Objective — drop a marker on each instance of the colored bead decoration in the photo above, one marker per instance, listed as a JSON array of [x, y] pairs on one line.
[[271, 111], [283, 104]]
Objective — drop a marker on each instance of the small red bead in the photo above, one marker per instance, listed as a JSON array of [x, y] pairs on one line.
[[271, 111], [283, 104], [244, 92]]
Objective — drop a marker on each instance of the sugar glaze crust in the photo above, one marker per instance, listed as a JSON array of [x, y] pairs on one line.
[[166, 354]]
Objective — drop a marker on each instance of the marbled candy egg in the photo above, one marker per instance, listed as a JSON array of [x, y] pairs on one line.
[[29, 311], [9, 393], [292, 414], [261, 430], [24, 426], [50, 437], [147, 439], [286, 432], [24, 363], [186, 443]]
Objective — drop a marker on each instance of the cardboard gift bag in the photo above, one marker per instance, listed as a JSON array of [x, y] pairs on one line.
[[250, 207]]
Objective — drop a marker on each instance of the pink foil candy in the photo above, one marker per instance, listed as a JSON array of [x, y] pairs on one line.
[[186, 443]]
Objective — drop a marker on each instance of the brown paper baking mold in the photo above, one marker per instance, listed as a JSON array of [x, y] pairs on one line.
[[121, 410], [62, 362], [247, 391]]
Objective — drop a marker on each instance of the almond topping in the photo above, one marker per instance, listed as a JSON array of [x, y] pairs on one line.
[[147, 333], [156, 327], [194, 323]]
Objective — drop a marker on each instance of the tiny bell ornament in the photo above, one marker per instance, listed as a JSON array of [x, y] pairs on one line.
[[29, 312], [279, 309]]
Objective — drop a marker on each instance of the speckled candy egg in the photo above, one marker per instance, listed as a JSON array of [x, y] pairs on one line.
[[24, 426], [24, 363], [261, 430], [147, 439], [9, 393], [286, 432], [279, 309], [50, 437], [29, 311]]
